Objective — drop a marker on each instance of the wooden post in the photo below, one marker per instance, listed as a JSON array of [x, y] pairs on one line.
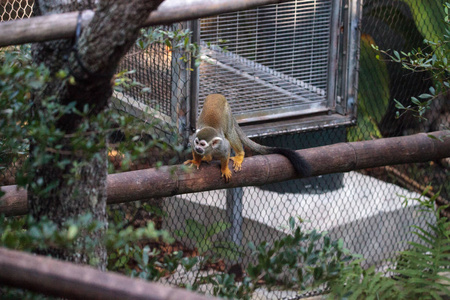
[[67, 280], [259, 169]]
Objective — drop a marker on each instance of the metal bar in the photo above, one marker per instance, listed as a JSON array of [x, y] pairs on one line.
[[354, 33], [333, 55], [234, 214], [256, 80], [236, 63]]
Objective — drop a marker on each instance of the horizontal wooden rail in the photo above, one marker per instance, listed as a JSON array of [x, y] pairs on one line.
[[62, 26], [63, 279], [258, 170]]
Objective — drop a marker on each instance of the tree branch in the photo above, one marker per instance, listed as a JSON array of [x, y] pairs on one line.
[[62, 26]]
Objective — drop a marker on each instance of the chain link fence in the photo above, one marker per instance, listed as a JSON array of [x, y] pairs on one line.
[[12, 9], [365, 208]]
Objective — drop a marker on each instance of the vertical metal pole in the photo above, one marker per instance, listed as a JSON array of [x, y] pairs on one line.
[[234, 214], [354, 35], [333, 55]]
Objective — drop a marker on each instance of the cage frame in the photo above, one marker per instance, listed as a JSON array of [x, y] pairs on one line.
[[341, 88]]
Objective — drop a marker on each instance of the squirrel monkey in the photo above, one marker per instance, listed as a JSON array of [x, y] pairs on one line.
[[218, 130]]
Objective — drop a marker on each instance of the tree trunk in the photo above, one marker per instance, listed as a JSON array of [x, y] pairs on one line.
[[80, 186]]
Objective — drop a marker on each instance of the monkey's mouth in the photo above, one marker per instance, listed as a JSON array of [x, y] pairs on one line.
[[199, 151]]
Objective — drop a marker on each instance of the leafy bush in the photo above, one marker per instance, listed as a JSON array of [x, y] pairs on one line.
[[20, 124]]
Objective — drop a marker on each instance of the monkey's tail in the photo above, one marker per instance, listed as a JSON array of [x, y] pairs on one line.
[[300, 165]]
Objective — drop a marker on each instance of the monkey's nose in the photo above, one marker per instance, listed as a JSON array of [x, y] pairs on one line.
[[199, 150]]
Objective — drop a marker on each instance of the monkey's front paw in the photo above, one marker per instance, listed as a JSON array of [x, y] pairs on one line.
[[192, 163], [237, 163], [227, 174]]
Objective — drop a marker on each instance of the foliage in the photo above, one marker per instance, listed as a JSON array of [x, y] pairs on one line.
[[127, 256], [419, 271], [428, 16], [25, 233], [20, 124], [7, 293], [359, 283], [17, 79], [175, 40], [297, 261], [206, 241], [373, 94], [433, 58]]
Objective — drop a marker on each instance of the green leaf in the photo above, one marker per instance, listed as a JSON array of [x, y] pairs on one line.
[[425, 96], [72, 232], [216, 228], [145, 256], [415, 101], [318, 272], [397, 55], [292, 223], [432, 90]]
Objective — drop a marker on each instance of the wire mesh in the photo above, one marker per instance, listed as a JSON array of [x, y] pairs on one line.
[[152, 69], [13, 9], [364, 207], [276, 55]]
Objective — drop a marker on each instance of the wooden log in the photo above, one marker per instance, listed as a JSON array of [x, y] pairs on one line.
[[62, 26], [67, 280], [258, 170]]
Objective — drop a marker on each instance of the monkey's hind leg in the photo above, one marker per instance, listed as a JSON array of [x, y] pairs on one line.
[[224, 168], [196, 160], [238, 158]]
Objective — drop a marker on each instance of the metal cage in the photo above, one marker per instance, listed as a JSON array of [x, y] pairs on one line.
[[287, 67], [280, 65]]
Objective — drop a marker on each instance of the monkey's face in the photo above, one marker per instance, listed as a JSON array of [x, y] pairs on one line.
[[200, 146], [206, 140], [203, 147]]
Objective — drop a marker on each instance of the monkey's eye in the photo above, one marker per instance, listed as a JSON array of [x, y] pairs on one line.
[[203, 143], [196, 141]]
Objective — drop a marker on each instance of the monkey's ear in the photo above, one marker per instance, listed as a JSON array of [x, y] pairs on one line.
[[216, 142]]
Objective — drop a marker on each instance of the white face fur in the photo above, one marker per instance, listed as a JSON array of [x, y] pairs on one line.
[[201, 143], [201, 146]]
